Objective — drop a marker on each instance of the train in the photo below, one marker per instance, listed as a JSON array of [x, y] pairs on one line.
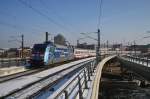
[[83, 53], [48, 53]]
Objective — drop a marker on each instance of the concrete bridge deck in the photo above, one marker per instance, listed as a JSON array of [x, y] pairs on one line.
[[126, 79]]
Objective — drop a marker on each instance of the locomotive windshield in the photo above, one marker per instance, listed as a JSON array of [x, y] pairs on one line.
[[39, 48]]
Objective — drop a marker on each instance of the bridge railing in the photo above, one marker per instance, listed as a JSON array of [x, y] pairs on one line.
[[7, 62], [77, 85], [140, 60], [81, 84]]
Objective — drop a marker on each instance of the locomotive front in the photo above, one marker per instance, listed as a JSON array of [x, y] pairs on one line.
[[38, 52]]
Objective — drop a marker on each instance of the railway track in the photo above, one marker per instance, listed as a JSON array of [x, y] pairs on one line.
[[31, 71], [117, 82], [34, 88], [17, 75]]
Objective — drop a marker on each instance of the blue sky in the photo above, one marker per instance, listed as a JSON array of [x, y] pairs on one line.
[[122, 20]]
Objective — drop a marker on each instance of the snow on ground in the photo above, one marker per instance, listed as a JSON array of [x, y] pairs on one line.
[[86, 92], [18, 83]]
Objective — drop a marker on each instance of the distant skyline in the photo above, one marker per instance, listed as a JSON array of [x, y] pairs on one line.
[[122, 21]]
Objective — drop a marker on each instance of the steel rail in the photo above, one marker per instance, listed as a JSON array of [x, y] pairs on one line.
[[16, 92], [30, 72], [76, 84], [19, 74]]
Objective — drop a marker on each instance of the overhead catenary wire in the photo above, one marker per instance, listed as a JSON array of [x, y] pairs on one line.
[[17, 27], [14, 26], [53, 12], [42, 14], [8, 15], [10, 25]]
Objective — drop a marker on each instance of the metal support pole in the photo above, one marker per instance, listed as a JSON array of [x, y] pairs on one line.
[[93, 67], [107, 47], [22, 45], [130, 76], [142, 60], [16, 61], [85, 80], [94, 64], [66, 94], [46, 37], [77, 43], [88, 69], [98, 47], [147, 61], [2, 60], [134, 48], [9, 61], [135, 58], [80, 88]]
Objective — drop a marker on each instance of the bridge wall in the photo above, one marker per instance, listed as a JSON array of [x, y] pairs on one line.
[[97, 79], [144, 71]]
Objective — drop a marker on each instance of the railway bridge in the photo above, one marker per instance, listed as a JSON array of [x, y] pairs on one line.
[[114, 77]]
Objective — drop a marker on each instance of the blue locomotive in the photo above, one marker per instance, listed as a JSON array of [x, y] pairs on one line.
[[49, 53]]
